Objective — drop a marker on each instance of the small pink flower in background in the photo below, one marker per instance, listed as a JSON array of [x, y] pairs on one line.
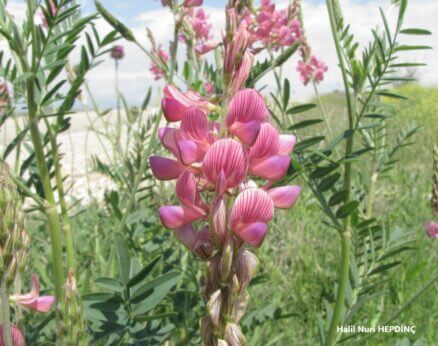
[[43, 16], [432, 229], [5, 96], [156, 70], [205, 47], [165, 2], [17, 336], [33, 300], [117, 52], [313, 69], [209, 88], [192, 3], [199, 22]]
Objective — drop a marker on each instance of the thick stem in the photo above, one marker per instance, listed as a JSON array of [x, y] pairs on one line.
[[346, 227], [6, 319], [66, 225]]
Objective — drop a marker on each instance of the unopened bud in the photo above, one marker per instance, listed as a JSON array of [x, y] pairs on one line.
[[204, 246], [206, 328], [246, 266], [240, 305], [226, 261], [222, 342], [214, 307], [233, 335]]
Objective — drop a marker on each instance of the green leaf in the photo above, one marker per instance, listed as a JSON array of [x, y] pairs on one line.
[[301, 108], [52, 92], [407, 47], [123, 258], [320, 172], [115, 23], [305, 123], [170, 278], [329, 182], [347, 209], [401, 13], [16, 141], [415, 31], [109, 284], [308, 142], [385, 267], [286, 93], [337, 198], [390, 95], [143, 273]]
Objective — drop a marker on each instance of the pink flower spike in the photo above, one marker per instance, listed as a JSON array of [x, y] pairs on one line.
[[33, 300], [227, 156], [17, 336], [254, 233], [287, 144], [273, 168], [285, 196], [432, 229], [187, 236], [175, 216], [165, 169]]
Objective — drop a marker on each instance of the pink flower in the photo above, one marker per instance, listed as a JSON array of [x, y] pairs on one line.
[[5, 95], [53, 10], [432, 229], [17, 336], [165, 2], [205, 47], [33, 300], [118, 52], [175, 102], [252, 210], [157, 70], [313, 69], [209, 88], [192, 3], [246, 113]]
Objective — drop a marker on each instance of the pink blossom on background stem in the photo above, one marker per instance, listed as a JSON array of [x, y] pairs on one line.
[[192, 3], [5, 96], [157, 70], [432, 229], [17, 336], [313, 69], [33, 300], [54, 11], [117, 52]]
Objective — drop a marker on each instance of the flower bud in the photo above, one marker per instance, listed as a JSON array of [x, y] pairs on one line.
[[240, 305], [219, 218], [246, 267], [233, 335], [214, 307], [226, 261], [206, 330], [222, 342], [204, 246]]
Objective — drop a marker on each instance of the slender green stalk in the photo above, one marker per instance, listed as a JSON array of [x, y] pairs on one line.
[[119, 114], [372, 188], [6, 319], [346, 227], [66, 225]]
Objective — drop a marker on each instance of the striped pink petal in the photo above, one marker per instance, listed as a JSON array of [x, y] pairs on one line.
[[194, 124], [170, 137], [254, 233], [186, 235], [251, 206], [17, 336], [33, 300], [246, 132], [164, 168], [188, 151], [247, 105], [204, 246], [227, 156], [42, 304], [186, 190], [273, 168], [175, 216], [287, 144], [285, 196], [267, 143]]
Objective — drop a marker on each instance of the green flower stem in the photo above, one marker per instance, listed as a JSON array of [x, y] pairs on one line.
[[66, 225], [6, 319], [51, 212], [346, 226]]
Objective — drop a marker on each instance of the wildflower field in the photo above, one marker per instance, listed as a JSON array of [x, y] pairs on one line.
[[219, 209]]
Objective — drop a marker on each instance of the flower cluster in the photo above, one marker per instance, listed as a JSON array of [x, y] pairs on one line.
[[161, 56], [274, 28], [432, 229], [5, 96], [313, 69]]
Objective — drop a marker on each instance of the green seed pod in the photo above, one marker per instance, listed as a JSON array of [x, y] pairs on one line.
[[121, 28], [14, 241]]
